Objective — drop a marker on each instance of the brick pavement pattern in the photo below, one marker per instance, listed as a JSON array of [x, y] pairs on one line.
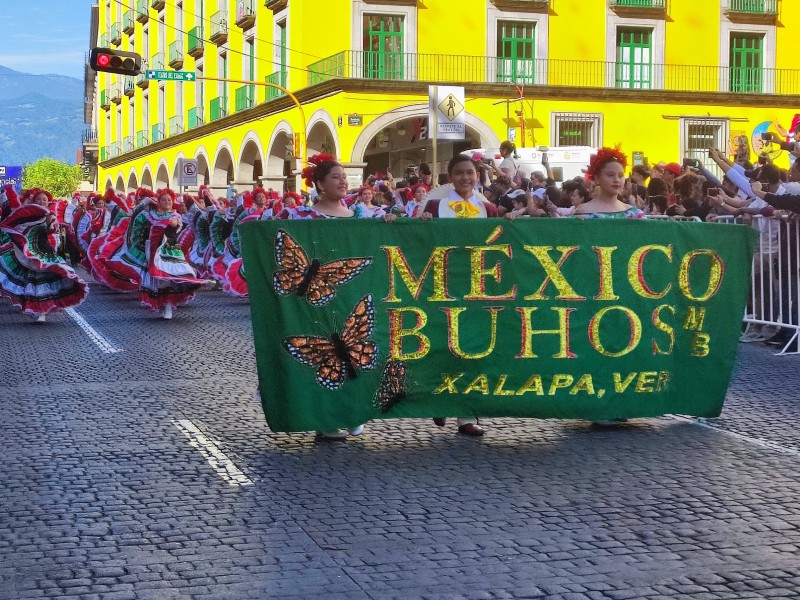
[[104, 497]]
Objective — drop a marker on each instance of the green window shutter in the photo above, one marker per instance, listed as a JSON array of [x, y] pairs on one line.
[[634, 67], [747, 63], [516, 52], [383, 47]]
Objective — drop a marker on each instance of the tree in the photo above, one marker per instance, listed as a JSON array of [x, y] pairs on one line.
[[58, 178]]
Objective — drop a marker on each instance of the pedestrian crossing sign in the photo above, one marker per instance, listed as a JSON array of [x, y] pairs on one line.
[[450, 108]]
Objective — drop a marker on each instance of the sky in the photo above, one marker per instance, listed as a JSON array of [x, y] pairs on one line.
[[45, 36]]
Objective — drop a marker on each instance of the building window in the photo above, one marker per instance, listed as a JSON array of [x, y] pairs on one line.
[[516, 52], [634, 63], [698, 135], [746, 62], [383, 46], [577, 129]]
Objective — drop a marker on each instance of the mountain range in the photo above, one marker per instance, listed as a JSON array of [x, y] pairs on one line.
[[40, 116]]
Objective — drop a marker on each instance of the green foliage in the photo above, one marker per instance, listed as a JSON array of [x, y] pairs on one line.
[[58, 178]]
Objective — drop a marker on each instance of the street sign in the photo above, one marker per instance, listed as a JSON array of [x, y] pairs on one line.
[[187, 172], [446, 106], [169, 75]]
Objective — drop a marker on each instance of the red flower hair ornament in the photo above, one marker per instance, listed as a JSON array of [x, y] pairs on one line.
[[314, 162], [605, 155]]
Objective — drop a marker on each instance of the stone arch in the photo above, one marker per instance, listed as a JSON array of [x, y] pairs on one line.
[[175, 173], [202, 166], [109, 183], [120, 186], [322, 134], [133, 183], [251, 160], [222, 172], [147, 178], [280, 161], [394, 141], [162, 175]]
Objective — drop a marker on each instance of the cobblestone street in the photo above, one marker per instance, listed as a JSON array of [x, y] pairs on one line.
[[137, 465]]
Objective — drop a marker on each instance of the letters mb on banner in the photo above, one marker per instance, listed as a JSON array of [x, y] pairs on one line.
[[546, 318]]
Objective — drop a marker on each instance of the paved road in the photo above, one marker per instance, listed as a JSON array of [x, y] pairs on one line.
[[150, 473]]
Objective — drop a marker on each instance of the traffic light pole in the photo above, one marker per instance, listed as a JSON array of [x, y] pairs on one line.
[[302, 145]]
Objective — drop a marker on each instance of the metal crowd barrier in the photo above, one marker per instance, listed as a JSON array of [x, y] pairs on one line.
[[774, 281]]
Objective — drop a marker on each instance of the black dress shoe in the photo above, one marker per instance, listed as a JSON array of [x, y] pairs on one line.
[[471, 429]]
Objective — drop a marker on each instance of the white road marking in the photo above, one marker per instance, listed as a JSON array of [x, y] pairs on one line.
[[216, 458], [104, 345], [739, 436]]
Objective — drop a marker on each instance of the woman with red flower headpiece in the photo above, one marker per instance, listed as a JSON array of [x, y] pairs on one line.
[[32, 275], [607, 171], [327, 176]]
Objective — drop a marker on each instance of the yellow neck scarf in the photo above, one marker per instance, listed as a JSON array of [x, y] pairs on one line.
[[464, 209]]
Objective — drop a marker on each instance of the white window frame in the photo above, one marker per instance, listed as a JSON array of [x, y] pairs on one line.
[[657, 25], [409, 14], [278, 18], [597, 126], [769, 50], [542, 30], [725, 134]]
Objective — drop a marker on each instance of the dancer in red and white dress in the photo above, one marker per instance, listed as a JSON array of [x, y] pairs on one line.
[[32, 274]]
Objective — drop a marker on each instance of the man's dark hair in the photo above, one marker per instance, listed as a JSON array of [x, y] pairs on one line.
[[769, 174]]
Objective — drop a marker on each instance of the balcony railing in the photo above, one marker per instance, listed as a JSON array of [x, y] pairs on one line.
[[219, 27], [196, 42], [554, 73], [219, 107], [141, 138], [129, 86], [114, 150], [157, 62], [102, 41], [278, 78], [141, 80], [157, 133], [158, 4], [195, 117], [245, 13], [105, 100], [753, 7], [114, 34], [89, 136], [142, 11], [640, 3], [129, 22], [245, 97], [176, 125], [176, 54], [103, 153], [128, 144]]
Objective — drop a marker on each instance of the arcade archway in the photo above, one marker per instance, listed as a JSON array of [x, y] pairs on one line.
[[251, 166]]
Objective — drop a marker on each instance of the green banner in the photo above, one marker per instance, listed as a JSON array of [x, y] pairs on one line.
[[549, 318]]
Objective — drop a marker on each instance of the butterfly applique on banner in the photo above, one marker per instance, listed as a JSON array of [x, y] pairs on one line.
[[392, 389], [311, 279], [337, 358]]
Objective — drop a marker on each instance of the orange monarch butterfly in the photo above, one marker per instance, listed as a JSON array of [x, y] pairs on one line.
[[338, 357], [309, 278], [392, 389]]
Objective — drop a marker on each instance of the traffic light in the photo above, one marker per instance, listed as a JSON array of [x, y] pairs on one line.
[[109, 60]]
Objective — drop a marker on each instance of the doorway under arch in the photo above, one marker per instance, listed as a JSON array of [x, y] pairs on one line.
[[133, 185], [251, 165], [162, 177], [222, 173], [147, 179], [280, 163]]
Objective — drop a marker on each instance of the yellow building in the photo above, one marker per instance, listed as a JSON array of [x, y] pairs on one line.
[[664, 78]]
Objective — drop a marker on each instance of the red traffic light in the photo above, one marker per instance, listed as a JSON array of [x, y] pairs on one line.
[[109, 60]]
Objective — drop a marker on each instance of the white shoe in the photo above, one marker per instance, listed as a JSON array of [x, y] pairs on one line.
[[332, 435], [356, 430], [41, 318], [167, 312]]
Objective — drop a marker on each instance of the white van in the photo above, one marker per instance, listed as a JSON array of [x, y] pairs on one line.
[[566, 162]]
